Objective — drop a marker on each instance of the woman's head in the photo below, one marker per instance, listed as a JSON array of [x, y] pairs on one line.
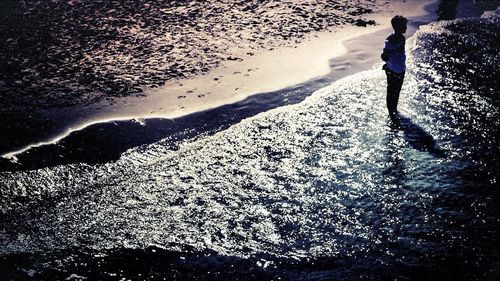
[[399, 24]]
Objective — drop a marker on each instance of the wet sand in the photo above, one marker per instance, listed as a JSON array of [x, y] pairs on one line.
[[63, 53], [234, 80], [325, 189]]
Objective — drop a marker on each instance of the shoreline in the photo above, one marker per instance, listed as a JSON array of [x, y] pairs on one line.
[[328, 188], [274, 70], [221, 84]]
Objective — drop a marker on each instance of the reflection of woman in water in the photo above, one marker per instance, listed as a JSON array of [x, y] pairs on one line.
[[395, 66]]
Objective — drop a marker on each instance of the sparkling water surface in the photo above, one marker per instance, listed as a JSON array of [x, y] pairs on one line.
[[328, 188]]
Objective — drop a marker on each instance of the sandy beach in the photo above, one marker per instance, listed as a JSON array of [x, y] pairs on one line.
[[327, 188], [80, 52], [218, 64], [299, 174]]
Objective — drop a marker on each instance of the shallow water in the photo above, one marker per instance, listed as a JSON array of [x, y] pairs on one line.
[[326, 189]]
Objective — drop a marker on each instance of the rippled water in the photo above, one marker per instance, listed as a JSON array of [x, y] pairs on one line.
[[328, 188]]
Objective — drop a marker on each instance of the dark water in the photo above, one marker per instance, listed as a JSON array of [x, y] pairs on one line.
[[325, 189]]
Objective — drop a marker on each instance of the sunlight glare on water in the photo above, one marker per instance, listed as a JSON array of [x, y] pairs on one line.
[[329, 177], [324, 177]]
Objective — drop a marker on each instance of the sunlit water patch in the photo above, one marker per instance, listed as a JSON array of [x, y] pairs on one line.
[[330, 178]]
